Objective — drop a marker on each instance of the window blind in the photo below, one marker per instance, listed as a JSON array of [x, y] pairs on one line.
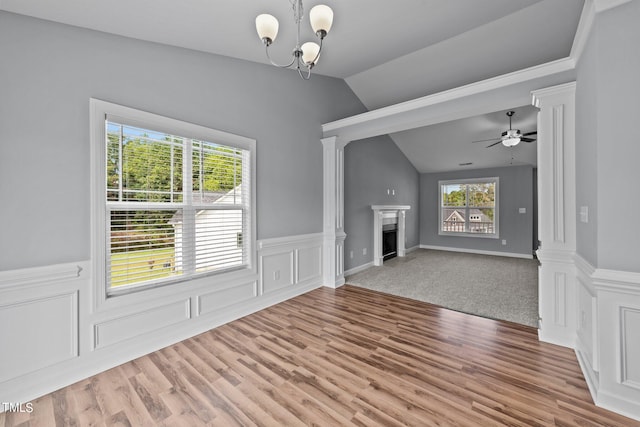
[[176, 206]]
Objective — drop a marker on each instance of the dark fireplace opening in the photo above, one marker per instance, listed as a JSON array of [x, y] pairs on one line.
[[389, 241]]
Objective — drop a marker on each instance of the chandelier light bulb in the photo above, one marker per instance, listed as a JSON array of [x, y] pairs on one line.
[[310, 51], [321, 18], [267, 27]]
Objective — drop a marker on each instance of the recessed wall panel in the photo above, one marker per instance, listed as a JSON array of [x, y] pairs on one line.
[[122, 328], [37, 333], [214, 301], [277, 271], [630, 331], [309, 263]]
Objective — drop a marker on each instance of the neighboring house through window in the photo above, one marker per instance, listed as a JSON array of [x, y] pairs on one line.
[[172, 199], [469, 207]]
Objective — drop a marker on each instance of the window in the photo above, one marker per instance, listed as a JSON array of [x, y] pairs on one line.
[[173, 197], [469, 207]]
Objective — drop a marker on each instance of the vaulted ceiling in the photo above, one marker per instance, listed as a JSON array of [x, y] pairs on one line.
[[386, 51]]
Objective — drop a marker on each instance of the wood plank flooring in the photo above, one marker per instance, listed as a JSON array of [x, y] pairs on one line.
[[350, 357]]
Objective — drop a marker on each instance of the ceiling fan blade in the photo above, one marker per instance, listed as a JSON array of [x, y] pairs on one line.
[[535, 132], [495, 143], [527, 139], [483, 140]]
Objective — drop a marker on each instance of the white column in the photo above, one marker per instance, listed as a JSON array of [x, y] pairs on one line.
[[378, 217], [556, 213], [400, 249], [333, 212]]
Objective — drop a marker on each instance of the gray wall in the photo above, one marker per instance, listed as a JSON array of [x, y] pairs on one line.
[[515, 191], [371, 166], [607, 148], [49, 71], [587, 151]]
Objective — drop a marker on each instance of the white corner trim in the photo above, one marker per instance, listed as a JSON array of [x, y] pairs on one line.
[[477, 251], [582, 32], [22, 278], [583, 265], [587, 18], [602, 5], [537, 71]]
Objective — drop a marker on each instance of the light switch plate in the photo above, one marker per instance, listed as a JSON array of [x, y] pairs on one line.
[[584, 214]]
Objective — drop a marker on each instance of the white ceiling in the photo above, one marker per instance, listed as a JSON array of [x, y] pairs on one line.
[[387, 51], [453, 142]]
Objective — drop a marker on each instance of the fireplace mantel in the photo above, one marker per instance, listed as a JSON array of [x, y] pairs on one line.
[[385, 212]]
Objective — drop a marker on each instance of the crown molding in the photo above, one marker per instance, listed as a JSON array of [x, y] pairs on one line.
[[537, 71]]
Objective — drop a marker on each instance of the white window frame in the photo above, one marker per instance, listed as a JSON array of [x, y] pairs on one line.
[[100, 111], [496, 217]]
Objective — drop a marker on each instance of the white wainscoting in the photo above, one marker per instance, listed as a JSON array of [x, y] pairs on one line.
[[52, 336], [44, 329], [290, 262], [608, 336]]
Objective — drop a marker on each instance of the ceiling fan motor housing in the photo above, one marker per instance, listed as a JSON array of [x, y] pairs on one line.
[[511, 133]]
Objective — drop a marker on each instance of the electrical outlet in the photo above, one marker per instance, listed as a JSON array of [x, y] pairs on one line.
[[522, 210], [504, 242], [364, 251], [276, 275], [351, 254]]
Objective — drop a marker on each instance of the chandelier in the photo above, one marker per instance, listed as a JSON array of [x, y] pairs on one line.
[[305, 56]]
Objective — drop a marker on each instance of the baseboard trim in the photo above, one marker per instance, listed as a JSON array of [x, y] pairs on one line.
[[413, 248], [370, 264], [590, 376], [358, 269], [477, 251]]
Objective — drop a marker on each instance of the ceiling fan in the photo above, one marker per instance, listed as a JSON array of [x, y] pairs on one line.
[[510, 137]]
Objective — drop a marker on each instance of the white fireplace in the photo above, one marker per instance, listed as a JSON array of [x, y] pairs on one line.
[[388, 214]]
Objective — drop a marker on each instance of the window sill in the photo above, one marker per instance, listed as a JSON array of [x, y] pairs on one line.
[[466, 234]]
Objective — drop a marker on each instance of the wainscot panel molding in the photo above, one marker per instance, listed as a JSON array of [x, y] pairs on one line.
[[114, 331], [290, 262], [44, 329], [607, 344], [57, 338]]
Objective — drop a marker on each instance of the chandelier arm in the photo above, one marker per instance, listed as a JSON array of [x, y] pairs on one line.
[[278, 65], [302, 74], [317, 55]]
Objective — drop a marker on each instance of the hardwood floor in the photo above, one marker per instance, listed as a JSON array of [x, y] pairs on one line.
[[338, 357]]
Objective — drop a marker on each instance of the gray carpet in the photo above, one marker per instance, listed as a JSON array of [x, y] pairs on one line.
[[489, 286]]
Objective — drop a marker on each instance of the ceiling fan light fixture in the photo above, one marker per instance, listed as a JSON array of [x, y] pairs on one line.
[[510, 141]]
